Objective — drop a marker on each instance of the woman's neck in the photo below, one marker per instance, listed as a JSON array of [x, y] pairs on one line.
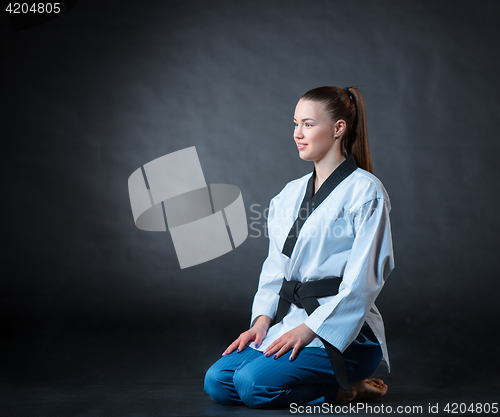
[[324, 168]]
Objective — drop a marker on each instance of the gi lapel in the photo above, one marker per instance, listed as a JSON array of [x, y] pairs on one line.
[[309, 203]]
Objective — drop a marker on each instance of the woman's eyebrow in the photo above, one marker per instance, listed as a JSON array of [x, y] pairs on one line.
[[307, 118]]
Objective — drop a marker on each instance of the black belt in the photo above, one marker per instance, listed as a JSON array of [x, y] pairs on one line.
[[305, 295]]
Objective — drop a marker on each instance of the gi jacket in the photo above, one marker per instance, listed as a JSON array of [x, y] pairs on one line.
[[347, 235]]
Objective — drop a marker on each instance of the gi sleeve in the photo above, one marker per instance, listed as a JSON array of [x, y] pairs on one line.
[[267, 297], [370, 262]]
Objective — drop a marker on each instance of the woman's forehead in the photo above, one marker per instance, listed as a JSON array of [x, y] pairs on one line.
[[308, 109]]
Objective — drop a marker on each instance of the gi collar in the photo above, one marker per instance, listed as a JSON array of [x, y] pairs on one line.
[[310, 202]]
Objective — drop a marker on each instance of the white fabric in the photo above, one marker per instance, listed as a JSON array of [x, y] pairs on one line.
[[348, 235]]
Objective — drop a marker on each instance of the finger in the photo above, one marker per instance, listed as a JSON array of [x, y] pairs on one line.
[[270, 347], [231, 347], [295, 352], [244, 342], [283, 341], [273, 348], [285, 348], [258, 339]]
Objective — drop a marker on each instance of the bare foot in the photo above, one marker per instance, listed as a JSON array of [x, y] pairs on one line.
[[367, 389]]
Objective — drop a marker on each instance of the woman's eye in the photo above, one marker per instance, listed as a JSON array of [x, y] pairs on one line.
[[308, 124]]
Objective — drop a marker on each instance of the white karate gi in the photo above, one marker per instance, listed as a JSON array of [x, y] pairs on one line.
[[348, 235]]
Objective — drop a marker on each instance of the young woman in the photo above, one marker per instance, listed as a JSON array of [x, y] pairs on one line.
[[316, 334]]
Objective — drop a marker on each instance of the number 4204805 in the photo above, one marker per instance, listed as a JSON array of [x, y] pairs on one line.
[[33, 8], [478, 408]]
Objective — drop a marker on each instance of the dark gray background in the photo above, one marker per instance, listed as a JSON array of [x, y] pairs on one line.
[[91, 96]]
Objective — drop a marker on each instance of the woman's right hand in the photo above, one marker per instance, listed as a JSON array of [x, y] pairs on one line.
[[256, 334]]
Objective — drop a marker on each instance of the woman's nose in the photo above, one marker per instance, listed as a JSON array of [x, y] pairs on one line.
[[298, 132]]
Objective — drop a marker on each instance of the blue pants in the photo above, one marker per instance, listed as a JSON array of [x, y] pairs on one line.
[[252, 379]]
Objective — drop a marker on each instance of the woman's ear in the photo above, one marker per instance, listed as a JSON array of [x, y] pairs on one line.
[[339, 128]]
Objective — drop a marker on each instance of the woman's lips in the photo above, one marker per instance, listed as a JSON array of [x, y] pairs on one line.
[[301, 146]]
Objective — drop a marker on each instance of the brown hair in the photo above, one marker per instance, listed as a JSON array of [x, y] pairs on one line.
[[350, 108]]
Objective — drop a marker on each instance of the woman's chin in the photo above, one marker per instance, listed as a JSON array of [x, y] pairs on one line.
[[304, 156]]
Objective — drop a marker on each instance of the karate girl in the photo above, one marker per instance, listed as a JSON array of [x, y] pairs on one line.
[[316, 334]]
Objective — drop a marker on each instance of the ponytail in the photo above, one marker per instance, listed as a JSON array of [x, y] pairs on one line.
[[359, 133]]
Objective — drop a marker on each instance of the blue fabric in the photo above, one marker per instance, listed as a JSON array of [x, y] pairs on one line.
[[252, 379]]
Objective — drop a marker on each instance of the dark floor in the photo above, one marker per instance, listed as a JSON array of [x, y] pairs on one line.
[[187, 398], [130, 375]]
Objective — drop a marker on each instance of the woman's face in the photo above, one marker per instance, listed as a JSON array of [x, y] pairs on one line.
[[314, 132]]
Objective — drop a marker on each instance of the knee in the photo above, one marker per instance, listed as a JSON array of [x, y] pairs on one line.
[[215, 386], [245, 386], [252, 394]]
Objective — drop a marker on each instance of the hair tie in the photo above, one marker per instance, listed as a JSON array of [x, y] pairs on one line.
[[346, 89]]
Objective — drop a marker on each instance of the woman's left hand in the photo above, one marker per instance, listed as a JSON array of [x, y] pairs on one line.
[[295, 339]]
